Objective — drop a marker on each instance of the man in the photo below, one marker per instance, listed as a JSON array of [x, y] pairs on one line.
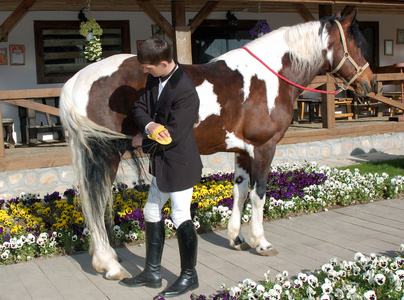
[[166, 113]]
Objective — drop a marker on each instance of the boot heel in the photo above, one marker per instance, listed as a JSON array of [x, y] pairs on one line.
[[155, 285]]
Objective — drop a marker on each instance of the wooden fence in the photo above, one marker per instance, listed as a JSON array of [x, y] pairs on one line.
[[24, 98]]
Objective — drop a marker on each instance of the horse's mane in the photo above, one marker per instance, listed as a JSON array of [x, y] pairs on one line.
[[304, 42]]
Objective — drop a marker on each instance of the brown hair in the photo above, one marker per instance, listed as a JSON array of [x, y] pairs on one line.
[[153, 51]]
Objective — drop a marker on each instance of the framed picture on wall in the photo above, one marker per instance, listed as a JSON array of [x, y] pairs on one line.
[[157, 31], [139, 43], [17, 55], [400, 36], [4, 38], [388, 48], [3, 56]]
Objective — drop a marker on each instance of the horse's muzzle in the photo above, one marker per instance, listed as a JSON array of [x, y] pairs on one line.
[[367, 87]]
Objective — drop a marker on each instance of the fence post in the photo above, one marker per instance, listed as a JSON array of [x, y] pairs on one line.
[[328, 105], [2, 151]]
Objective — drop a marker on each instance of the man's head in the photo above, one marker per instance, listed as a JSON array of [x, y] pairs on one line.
[[155, 56], [153, 51]]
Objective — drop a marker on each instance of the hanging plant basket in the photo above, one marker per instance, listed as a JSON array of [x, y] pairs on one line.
[[260, 28], [92, 31]]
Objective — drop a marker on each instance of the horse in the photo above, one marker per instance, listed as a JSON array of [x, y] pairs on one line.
[[244, 108]]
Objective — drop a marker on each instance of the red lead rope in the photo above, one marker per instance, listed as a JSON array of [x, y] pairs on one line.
[[285, 79]]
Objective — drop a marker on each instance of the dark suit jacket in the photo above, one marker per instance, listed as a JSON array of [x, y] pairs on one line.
[[176, 166]]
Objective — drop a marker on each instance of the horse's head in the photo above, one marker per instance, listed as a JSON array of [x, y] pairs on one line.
[[345, 55]]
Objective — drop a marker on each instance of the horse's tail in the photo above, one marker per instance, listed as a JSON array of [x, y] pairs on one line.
[[94, 149]]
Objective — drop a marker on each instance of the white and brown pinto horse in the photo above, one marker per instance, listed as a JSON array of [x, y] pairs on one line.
[[244, 108]]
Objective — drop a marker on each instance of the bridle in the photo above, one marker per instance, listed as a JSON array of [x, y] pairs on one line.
[[359, 70], [347, 56]]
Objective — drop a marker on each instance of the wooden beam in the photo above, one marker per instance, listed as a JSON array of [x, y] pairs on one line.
[[324, 10], [35, 161], [15, 17], [178, 13], [386, 100], [312, 135], [304, 12], [389, 77], [30, 93], [35, 106], [158, 18], [202, 15]]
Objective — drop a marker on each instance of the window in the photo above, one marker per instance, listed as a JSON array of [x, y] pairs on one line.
[[59, 47], [215, 37]]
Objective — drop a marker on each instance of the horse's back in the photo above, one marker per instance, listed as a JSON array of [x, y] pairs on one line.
[[105, 92]]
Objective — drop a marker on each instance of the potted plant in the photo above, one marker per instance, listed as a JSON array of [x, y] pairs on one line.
[[260, 28], [92, 31]]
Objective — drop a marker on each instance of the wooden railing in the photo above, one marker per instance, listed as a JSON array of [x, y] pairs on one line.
[[23, 98], [328, 101]]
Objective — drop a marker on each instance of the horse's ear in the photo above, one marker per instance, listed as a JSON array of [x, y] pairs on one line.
[[349, 19], [337, 15]]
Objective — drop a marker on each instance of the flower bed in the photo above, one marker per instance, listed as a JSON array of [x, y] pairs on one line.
[[366, 277], [32, 227]]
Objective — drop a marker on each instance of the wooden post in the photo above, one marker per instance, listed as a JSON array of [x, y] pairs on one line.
[[183, 44], [31, 139], [328, 105], [2, 151], [324, 10]]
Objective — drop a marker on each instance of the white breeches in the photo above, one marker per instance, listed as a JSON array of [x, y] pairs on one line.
[[180, 204]]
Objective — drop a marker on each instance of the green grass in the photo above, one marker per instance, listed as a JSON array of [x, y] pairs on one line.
[[392, 167]]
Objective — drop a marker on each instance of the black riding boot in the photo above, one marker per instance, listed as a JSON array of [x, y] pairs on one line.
[[151, 275], [188, 245]]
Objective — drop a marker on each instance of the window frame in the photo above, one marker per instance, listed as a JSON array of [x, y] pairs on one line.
[[40, 26]]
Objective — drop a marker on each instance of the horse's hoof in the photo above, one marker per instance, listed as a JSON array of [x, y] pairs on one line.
[[241, 247], [240, 244], [122, 274], [270, 251]]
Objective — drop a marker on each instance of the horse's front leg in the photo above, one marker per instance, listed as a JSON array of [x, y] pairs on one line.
[[240, 190], [259, 176]]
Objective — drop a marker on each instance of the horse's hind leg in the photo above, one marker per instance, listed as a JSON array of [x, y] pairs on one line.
[[97, 174], [240, 190], [259, 177]]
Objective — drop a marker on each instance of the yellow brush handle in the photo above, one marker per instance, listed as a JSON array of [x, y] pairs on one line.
[[156, 132]]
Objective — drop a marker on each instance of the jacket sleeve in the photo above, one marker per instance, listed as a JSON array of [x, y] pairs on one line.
[[140, 111], [182, 116]]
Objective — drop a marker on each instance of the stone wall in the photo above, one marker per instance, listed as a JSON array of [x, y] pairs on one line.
[[48, 180]]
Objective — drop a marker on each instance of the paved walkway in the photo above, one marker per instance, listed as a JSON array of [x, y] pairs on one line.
[[304, 243]]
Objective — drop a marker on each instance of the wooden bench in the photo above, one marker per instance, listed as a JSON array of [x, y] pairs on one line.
[[313, 108], [347, 103]]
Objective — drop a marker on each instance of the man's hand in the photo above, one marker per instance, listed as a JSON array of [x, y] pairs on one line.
[[163, 135]]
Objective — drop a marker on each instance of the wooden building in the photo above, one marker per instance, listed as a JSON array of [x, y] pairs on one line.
[[180, 20]]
